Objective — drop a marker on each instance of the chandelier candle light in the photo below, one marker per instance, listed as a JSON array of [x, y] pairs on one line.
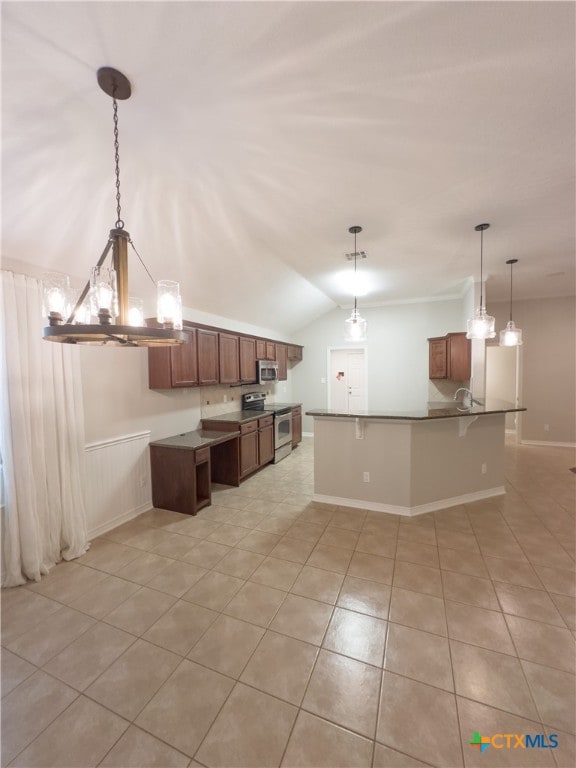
[[105, 296], [355, 325], [511, 336], [481, 326]]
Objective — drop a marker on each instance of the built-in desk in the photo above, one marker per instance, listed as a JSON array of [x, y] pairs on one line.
[[184, 466]]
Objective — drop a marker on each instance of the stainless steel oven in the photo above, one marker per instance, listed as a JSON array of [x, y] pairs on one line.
[[282, 434], [255, 401]]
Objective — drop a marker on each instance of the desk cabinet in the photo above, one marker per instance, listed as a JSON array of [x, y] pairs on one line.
[[180, 478]]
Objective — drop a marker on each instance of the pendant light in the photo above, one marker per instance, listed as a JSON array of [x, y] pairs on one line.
[[105, 296], [511, 336], [355, 325], [481, 326]]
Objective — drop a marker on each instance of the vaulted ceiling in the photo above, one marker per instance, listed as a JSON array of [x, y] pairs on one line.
[[258, 132]]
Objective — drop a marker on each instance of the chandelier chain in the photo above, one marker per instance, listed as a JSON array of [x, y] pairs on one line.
[[119, 222]]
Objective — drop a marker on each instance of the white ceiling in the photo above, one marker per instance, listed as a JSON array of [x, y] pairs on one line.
[[258, 132]]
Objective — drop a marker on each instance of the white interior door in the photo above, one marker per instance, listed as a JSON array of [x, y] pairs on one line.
[[502, 378], [347, 371]]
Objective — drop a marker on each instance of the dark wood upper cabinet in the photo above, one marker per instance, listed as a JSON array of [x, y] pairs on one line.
[[215, 356], [282, 360], [208, 368], [170, 367], [294, 352], [438, 358], [247, 360], [459, 357], [229, 359], [449, 357]]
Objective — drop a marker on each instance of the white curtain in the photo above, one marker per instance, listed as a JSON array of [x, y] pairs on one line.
[[41, 439]]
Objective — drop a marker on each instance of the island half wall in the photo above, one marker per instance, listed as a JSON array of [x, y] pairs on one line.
[[408, 467]]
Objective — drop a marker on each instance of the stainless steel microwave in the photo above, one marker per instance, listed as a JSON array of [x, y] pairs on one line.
[[267, 371]]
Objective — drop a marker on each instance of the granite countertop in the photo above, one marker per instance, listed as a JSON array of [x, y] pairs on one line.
[[280, 406], [202, 438], [240, 417], [431, 410]]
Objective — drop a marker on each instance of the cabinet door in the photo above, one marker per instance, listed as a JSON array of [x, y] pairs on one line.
[[459, 357], [294, 352], [260, 349], [248, 453], [174, 366], [296, 426], [270, 350], [184, 361], [228, 356], [265, 445], [247, 360], [282, 360], [438, 358], [207, 357]]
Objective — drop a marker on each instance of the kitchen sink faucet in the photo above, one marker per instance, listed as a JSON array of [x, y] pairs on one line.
[[467, 400]]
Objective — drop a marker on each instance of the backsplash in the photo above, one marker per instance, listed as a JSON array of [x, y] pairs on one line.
[[443, 389], [223, 399]]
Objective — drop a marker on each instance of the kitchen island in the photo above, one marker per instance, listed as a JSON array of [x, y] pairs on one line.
[[410, 462]]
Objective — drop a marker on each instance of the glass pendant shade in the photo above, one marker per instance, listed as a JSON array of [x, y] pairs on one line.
[[169, 304], [511, 336], [56, 297], [104, 294], [481, 326], [355, 327], [135, 311], [83, 313]]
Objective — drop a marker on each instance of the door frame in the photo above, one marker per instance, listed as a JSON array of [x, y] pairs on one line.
[[516, 434], [342, 348]]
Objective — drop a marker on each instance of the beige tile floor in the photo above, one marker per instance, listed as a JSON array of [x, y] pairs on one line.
[[272, 631]]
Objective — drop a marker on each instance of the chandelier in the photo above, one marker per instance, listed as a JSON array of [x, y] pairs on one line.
[[355, 325], [105, 297], [481, 326]]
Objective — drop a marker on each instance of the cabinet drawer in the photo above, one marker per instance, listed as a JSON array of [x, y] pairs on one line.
[[267, 421], [202, 455], [251, 426]]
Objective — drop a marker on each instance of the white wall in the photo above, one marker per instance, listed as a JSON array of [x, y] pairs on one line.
[[548, 365], [397, 353]]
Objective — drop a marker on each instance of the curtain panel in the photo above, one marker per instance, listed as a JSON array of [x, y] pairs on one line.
[[41, 439]]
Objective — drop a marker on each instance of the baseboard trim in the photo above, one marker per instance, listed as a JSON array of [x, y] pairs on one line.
[[420, 509], [548, 443], [119, 520], [307, 434]]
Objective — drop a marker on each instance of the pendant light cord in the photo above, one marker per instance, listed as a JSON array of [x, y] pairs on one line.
[[481, 273], [355, 282], [511, 265]]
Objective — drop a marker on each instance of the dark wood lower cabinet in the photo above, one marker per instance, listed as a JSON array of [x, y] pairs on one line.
[[180, 478], [248, 453], [265, 445], [296, 426]]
